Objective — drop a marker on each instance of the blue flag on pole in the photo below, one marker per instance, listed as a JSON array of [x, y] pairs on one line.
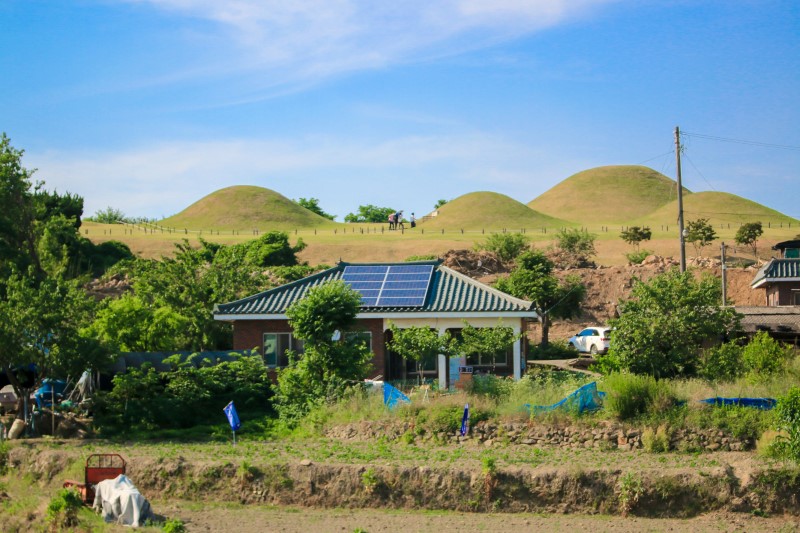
[[233, 417], [465, 421]]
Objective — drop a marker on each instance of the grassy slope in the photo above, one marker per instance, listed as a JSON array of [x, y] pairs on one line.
[[245, 207], [718, 207], [490, 211], [612, 194]]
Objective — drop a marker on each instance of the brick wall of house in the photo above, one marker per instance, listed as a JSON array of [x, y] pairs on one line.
[[249, 334]]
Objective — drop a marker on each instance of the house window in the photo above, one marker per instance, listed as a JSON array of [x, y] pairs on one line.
[[360, 337], [501, 359], [275, 347]]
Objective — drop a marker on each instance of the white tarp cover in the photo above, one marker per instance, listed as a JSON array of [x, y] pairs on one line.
[[118, 500]]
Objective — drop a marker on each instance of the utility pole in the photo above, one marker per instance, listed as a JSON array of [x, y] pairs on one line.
[[680, 198], [724, 278]]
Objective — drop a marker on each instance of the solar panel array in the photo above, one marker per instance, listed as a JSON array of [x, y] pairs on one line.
[[390, 285]]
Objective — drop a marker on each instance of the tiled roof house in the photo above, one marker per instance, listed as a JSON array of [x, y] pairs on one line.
[[421, 293]]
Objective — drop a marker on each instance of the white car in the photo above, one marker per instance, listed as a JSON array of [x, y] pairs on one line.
[[592, 340]]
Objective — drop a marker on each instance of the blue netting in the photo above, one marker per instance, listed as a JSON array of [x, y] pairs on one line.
[[392, 395], [756, 403], [584, 399], [44, 394]]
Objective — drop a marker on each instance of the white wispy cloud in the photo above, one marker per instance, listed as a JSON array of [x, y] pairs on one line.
[[297, 41], [164, 178]]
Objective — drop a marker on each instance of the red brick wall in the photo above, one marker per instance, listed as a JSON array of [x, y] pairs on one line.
[[248, 334]]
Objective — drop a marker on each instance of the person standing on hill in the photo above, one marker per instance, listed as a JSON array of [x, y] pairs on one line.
[[413, 221], [392, 221], [398, 220]]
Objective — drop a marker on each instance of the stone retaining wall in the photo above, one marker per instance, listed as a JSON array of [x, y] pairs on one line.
[[607, 435]]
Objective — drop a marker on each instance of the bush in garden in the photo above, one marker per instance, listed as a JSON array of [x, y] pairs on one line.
[[787, 414], [764, 357]]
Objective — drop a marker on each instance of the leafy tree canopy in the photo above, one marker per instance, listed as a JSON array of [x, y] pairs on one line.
[[370, 213], [700, 233], [312, 204], [661, 329], [420, 344], [533, 280], [488, 341], [634, 235], [748, 234], [440, 203], [331, 363]]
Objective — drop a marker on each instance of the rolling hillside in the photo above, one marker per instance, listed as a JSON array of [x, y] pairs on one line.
[[718, 207], [245, 207], [612, 194], [490, 211]]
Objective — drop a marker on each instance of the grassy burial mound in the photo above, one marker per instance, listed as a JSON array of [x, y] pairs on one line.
[[490, 211], [612, 194], [245, 207], [719, 208]]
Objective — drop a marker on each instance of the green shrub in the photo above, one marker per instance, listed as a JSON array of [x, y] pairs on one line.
[[722, 363], [741, 422], [656, 440], [62, 511], [4, 447], [559, 349], [637, 257], [507, 246], [787, 414], [491, 386], [764, 357], [174, 525], [629, 396]]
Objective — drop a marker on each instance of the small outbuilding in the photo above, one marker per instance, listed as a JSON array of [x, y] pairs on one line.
[[420, 293]]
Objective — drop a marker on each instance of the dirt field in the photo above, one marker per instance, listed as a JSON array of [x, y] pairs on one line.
[[257, 519]]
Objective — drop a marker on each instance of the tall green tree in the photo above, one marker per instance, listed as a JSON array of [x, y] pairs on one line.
[[420, 344], [700, 233], [312, 204], [533, 280], [331, 361], [370, 213], [486, 343], [748, 235], [663, 326], [634, 235], [17, 213]]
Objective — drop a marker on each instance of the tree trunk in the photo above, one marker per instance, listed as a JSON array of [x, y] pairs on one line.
[[545, 321]]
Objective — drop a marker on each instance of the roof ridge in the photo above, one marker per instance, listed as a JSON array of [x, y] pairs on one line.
[[488, 288], [284, 287]]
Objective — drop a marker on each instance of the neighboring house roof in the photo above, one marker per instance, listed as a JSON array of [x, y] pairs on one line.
[[777, 270], [787, 244], [784, 319], [449, 293]]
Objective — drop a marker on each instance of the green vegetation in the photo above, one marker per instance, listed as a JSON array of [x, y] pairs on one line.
[[700, 233], [662, 327], [421, 345], [62, 512], [787, 414], [370, 213], [331, 360], [638, 257], [507, 246], [533, 280], [574, 248], [634, 235], [748, 235], [312, 204], [109, 215]]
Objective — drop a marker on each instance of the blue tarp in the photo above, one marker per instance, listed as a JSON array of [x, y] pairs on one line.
[[584, 399], [392, 395], [756, 403], [44, 394]]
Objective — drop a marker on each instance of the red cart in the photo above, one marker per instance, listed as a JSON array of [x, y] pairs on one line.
[[99, 467]]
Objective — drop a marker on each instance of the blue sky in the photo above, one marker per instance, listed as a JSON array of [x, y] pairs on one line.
[[148, 105]]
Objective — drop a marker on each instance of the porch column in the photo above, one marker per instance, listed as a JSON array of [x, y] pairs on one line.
[[442, 366], [517, 354]]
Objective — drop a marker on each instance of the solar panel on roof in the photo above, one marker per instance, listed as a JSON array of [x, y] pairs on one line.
[[390, 285]]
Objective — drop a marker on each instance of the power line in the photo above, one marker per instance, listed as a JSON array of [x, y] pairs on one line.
[[741, 141]]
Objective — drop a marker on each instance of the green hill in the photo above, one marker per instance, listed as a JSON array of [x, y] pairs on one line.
[[245, 207], [718, 207], [612, 194], [491, 211]]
